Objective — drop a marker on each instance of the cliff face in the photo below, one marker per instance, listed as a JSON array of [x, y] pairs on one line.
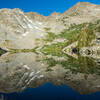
[[19, 27], [19, 30]]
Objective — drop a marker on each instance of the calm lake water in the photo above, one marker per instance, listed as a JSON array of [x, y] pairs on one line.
[[32, 76], [49, 92]]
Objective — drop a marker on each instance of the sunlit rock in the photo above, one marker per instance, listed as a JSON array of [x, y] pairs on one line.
[[60, 48]]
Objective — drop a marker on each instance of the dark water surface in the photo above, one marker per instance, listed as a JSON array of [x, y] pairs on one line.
[[26, 77], [49, 92]]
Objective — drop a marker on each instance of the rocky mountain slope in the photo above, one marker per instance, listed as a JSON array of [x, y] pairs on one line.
[[21, 28], [24, 31]]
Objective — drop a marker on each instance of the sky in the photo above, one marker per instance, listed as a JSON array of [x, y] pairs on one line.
[[44, 7]]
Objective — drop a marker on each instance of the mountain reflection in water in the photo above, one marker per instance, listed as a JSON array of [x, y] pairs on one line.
[[49, 91], [25, 75], [19, 71]]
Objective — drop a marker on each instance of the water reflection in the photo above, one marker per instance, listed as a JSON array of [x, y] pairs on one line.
[[74, 62], [49, 91], [18, 71]]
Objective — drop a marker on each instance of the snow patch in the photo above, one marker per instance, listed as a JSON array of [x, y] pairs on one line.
[[30, 26], [42, 35], [41, 76], [38, 28], [25, 33], [31, 74], [25, 66], [39, 23], [38, 72]]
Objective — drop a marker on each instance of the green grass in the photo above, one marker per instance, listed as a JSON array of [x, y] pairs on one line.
[[47, 29], [84, 65], [71, 36], [54, 49], [86, 38], [73, 33], [22, 50], [50, 37]]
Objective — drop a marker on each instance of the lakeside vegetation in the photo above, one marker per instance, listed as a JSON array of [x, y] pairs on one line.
[[82, 33], [84, 65], [22, 50]]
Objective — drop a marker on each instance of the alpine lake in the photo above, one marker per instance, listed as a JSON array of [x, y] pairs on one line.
[[64, 66]]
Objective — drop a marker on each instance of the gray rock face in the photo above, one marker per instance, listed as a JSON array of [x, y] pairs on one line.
[[19, 30]]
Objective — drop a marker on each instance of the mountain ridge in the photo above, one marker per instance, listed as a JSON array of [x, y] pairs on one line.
[[83, 4]]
